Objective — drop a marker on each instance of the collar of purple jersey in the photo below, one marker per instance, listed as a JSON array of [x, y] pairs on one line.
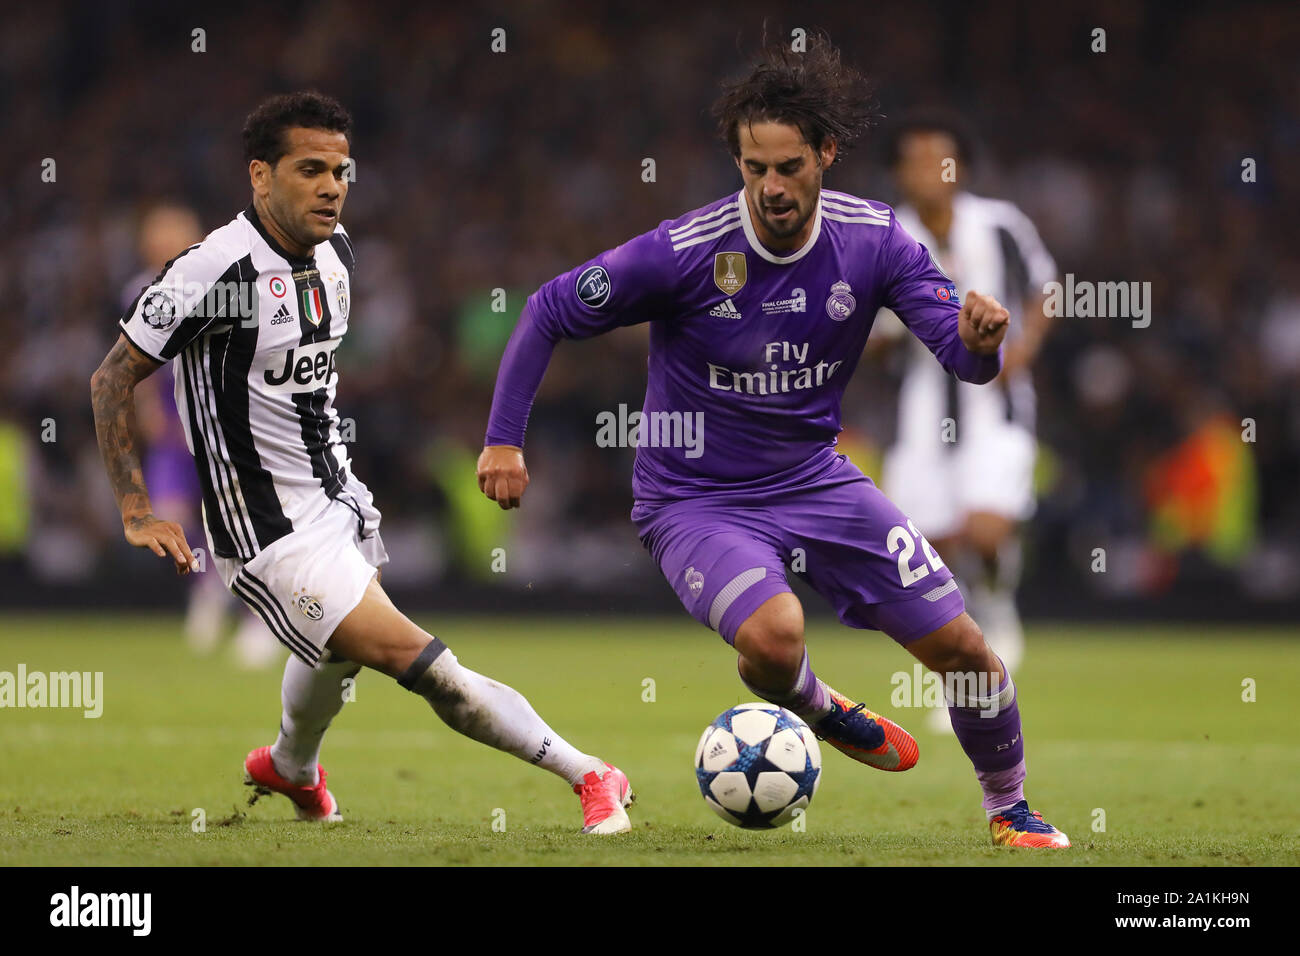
[[754, 243]]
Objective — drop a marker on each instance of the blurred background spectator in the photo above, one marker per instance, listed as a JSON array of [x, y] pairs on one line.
[[482, 171]]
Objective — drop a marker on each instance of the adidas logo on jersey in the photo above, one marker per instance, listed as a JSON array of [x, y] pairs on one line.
[[281, 316], [727, 310]]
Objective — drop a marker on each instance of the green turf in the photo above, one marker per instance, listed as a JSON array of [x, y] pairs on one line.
[[1146, 724]]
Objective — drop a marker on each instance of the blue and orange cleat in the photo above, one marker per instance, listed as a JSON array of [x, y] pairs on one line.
[[606, 795], [866, 737], [1020, 826], [311, 803]]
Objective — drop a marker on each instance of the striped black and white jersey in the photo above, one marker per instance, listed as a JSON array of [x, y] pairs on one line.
[[991, 248], [254, 331]]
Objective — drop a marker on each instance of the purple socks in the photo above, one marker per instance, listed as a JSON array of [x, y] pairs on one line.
[[988, 729], [809, 697]]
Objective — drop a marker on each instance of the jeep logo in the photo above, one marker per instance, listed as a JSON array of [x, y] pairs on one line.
[[302, 369]]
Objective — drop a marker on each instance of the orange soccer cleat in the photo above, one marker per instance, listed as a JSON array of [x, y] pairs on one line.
[[1020, 826], [866, 737]]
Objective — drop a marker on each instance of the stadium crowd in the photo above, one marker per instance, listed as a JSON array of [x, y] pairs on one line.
[[1161, 159]]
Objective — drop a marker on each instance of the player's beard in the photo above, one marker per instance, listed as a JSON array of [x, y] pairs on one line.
[[803, 212], [791, 227], [296, 222], [312, 233]]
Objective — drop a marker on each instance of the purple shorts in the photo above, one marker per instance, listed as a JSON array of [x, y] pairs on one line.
[[725, 555]]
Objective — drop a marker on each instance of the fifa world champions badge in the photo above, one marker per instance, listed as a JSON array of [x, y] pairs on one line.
[[729, 272]]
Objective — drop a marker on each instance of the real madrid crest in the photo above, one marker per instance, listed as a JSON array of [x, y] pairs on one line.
[[841, 303], [694, 581], [729, 273]]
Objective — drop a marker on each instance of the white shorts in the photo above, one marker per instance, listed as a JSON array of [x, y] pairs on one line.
[[304, 584], [937, 485]]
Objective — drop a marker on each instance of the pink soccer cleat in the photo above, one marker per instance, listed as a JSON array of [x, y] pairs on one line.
[[605, 796], [312, 803]]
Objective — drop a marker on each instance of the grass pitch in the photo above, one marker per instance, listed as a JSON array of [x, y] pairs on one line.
[[1140, 730]]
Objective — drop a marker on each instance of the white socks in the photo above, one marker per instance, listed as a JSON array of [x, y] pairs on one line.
[[476, 706], [311, 699], [492, 713]]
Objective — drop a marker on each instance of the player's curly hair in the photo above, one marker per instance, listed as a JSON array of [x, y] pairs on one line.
[[265, 126], [813, 90]]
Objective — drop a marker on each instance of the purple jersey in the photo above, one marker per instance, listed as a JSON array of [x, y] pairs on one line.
[[750, 351]]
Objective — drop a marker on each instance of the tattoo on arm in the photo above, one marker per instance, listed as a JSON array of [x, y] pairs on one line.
[[112, 396]]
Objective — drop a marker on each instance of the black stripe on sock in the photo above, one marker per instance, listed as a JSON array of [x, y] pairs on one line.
[[421, 664]]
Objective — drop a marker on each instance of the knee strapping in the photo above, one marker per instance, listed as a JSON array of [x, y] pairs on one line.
[[418, 678]]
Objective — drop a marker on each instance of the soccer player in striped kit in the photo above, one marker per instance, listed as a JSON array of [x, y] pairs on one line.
[[253, 316], [759, 306], [963, 462]]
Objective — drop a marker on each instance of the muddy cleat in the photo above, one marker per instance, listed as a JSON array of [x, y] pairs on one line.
[[1020, 826], [605, 795], [312, 803], [866, 737]]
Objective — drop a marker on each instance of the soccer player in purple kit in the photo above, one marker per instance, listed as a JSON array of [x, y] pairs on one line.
[[759, 306]]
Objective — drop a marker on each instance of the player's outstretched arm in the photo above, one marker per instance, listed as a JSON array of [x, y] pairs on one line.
[[502, 475], [966, 342], [625, 286], [112, 397]]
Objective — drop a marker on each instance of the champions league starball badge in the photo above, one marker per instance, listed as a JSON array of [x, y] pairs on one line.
[[159, 311]]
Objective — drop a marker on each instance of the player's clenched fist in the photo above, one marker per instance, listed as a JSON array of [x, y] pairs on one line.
[[502, 475], [163, 538], [982, 323]]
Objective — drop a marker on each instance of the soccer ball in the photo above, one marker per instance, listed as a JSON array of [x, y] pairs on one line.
[[757, 765]]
